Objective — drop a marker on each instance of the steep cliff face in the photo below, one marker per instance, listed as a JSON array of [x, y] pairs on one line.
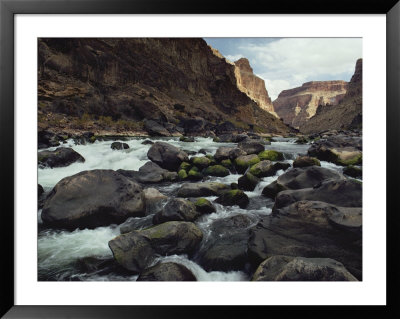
[[167, 80], [346, 115], [252, 85], [296, 106]]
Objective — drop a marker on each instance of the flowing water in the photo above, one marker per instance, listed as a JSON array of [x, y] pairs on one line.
[[59, 250]]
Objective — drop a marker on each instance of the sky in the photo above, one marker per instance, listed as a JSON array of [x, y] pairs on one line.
[[285, 63]]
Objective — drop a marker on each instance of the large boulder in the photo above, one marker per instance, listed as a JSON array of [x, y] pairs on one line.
[[233, 197], [216, 170], [60, 157], [167, 156], [202, 189], [287, 268], [310, 229], [168, 271], [342, 192], [251, 147], [226, 247], [93, 198], [136, 250], [155, 129], [298, 178], [263, 169], [177, 209]]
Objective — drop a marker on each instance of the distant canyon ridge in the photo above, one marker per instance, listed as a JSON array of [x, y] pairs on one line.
[[178, 86]]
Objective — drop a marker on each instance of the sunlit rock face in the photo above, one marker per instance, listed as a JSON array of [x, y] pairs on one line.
[[347, 114], [252, 85], [296, 106]]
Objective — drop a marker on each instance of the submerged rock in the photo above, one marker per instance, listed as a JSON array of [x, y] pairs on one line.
[[168, 271], [60, 157], [119, 146], [93, 198], [286, 268], [167, 156]]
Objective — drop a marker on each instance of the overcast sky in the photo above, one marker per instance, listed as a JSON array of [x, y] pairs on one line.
[[285, 63]]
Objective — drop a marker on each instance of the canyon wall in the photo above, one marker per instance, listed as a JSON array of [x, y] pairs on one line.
[[297, 105], [166, 80], [345, 115], [252, 85]]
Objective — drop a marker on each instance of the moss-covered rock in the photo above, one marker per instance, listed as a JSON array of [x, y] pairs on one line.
[[194, 174], [304, 161], [185, 166], [182, 174], [352, 171], [201, 162], [248, 182], [263, 169], [233, 197], [243, 162], [216, 170], [93, 139], [204, 206], [270, 155], [226, 163], [356, 159]]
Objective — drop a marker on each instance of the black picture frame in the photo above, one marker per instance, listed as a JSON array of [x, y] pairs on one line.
[[8, 8]]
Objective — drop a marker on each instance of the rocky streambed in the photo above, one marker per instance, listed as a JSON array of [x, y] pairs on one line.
[[234, 208]]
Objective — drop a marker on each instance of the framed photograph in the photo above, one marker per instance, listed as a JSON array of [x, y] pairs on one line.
[[245, 150]]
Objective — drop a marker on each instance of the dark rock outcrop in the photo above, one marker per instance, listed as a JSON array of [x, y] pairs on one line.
[[60, 157]]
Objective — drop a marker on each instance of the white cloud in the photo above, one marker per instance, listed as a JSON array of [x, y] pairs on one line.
[[289, 62], [234, 58]]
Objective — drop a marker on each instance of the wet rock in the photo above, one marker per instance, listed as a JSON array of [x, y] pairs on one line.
[[251, 147], [204, 206], [167, 156], [281, 166], [298, 178], [119, 146], [270, 155], [167, 271], [93, 198], [286, 268], [310, 229], [147, 142], [155, 129], [136, 223], [202, 189], [222, 153], [60, 157], [177, 209], [40, 190], [248, 182], [341, 192], [132, 251], [233, 197], [235, 153], [154, 200], [194, 174], [304, 161], [216, 170], [352, 171], [152, 173], [244, 162], [302, 140]]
